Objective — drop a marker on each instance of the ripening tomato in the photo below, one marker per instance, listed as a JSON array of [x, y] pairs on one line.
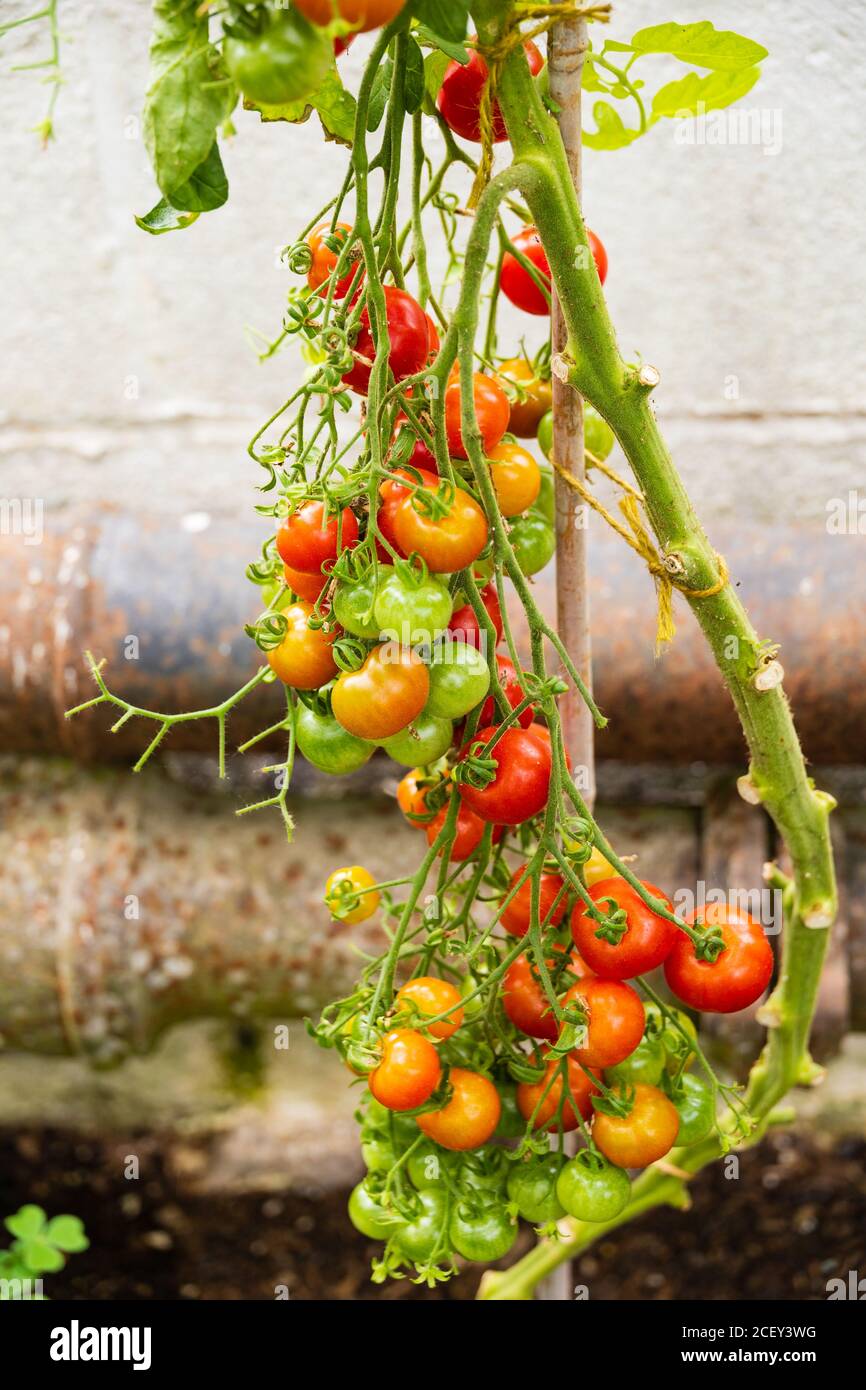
[[383, 695], [459, 99], [283, 59], [393, 493], [325, 257], [407, 337], [533, 396], [470, 1116], [516, 477], [492, 411], [597, 868], [430, 997], [412, 798], [351, 895], [645, 943], [614, 1020], [408, 1073], [644, 1135], [580, 1092], [518, 285], [526, 1003], [361, 14], [736, 978], [307, 539], [468, 833], [520, 787], [551, 908], [306, 586], [445, 543], [464, 624], [513, 692], [304, 660]]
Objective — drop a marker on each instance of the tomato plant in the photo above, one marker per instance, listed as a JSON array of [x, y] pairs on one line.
[[398, 506]]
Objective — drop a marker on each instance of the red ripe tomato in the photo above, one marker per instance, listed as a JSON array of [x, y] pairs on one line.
[[492, 411], [513, 692], [525, 1002], [646, 942], [407, 336], [420, 457], [644, 1135], [392, 494], [304, 659], [408, 1073], [324, 259], [515, 918], [470, 829], [519, 790], [736, 978], [581, 1090], [459, 99], [464, 625], [365, 14], [430, 997], [445, 543], [308, 540], [518, 285], [469, 1118], [306, 586], [615, 1020]]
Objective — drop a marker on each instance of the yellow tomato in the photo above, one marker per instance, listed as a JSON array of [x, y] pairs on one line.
[[347, 894]]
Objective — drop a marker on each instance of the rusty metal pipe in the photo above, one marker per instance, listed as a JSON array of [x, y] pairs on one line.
[[165, 606]]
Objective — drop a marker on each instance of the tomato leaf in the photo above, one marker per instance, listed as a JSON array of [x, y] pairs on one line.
[[434, 70], [165, 218], [701, 44], [612, 133], [379, 95], [334, 105], [413, 78], [208, 187], [188, 98], [446, 18], [693, 93]]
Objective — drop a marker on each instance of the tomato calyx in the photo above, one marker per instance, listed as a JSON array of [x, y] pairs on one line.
[[350, 653], [618, 1102], [708, 942], [613, 926]]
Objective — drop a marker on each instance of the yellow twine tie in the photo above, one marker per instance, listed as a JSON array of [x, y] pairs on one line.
[[638, 537]]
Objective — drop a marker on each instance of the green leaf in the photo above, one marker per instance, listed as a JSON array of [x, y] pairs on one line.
[[413, 77], [67, 1233], [165, 218], [379, 95], [456, 51], [27, 1222], [692, 93], [612, 133], [448, 18], [40, 1256], [334, 105], [207, 189], [188, 97], [701, 44], [434, 70]]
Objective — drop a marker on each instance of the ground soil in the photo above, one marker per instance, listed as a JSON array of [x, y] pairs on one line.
[[794, 1218]]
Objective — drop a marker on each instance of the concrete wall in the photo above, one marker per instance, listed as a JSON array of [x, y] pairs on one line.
[[124, 374]]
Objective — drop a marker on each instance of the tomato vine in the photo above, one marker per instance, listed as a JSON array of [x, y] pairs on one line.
[[401, 514]]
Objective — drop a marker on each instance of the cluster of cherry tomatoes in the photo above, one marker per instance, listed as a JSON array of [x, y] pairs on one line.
[[527, 1013]]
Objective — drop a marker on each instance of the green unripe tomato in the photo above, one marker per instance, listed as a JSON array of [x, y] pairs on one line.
[[532, 1189], [427, 1166], [675, 1045], [421, 742], [383, 1123], [485, 1169], [534, 541], [644, 1066], [412, 610], [327, 745], [591, 1189], [420, 1235], [368, 1217], [511, 1122], [598, 437], [694, 1105], [545, 434], [459, 680], [285, 61], [377, 1153], [354, 603], [545, 502], [482, 1231]]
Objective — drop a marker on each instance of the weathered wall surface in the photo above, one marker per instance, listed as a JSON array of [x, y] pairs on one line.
[[738, 269]]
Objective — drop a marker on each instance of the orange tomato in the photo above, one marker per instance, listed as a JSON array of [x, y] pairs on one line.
[[384, 695], [533, 396], [324, 259], [306, 586], [469, 1118], [408, 1073], [492, 411], [304, 659], [431, 996], [581, 1090], [363, 14], [446, 543], [644, 1135], [516, 477]]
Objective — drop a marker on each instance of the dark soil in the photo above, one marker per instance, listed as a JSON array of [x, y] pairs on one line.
[[794, 1218]]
